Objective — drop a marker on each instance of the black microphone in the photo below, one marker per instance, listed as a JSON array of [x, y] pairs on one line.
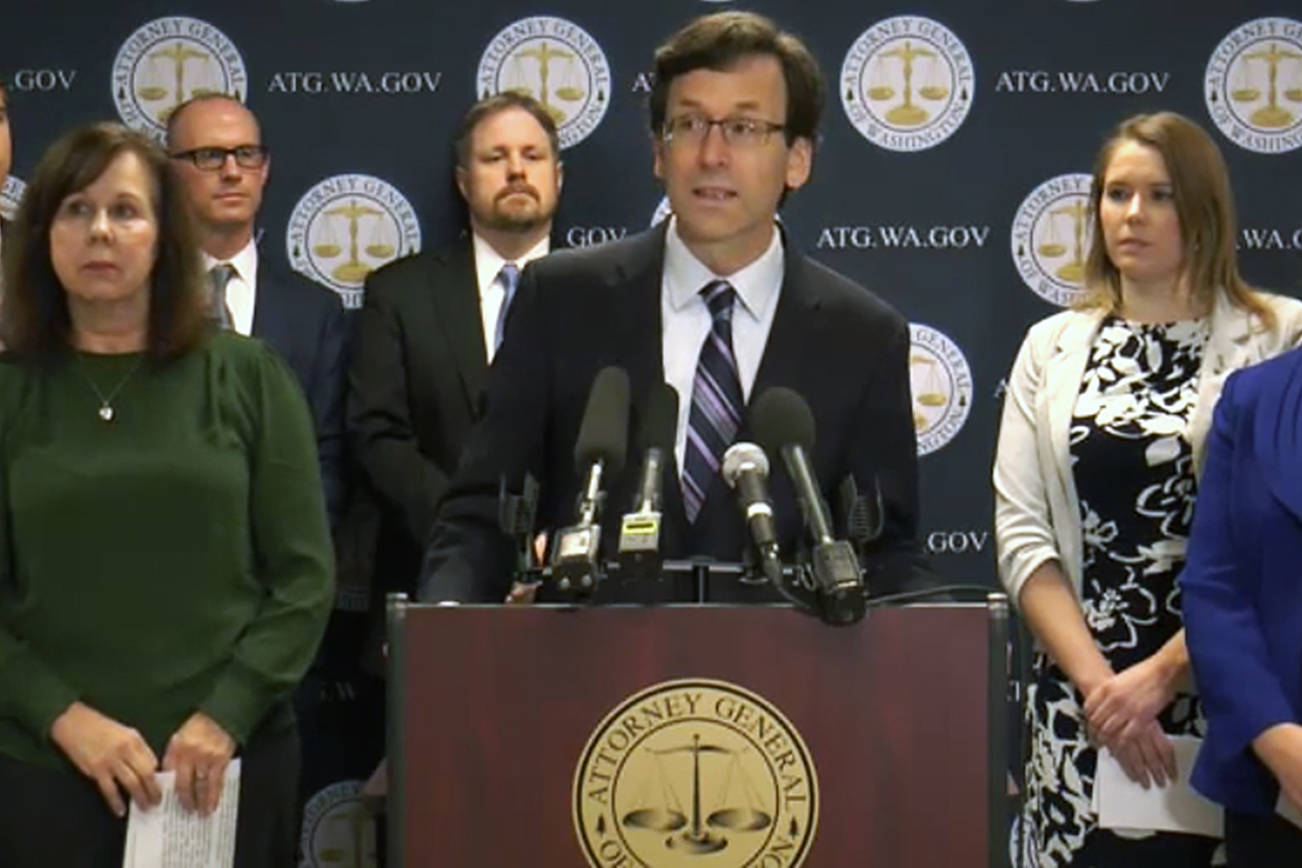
[[639, 532], [746, 470], [783, 423], [599, 452]]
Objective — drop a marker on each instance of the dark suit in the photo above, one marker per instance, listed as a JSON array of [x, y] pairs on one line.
[[839, 346], [305, 323], [1242, 595], [416, 374]]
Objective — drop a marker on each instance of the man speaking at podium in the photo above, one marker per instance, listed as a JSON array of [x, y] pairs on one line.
[[716, 303]]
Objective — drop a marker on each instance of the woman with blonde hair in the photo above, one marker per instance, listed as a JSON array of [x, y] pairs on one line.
[[1095, 474]]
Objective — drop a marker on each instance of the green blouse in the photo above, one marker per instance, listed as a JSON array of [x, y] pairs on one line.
[[173, 559]]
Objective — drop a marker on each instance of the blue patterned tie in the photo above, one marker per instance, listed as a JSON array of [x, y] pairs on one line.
[[509, 277], [717, 401]]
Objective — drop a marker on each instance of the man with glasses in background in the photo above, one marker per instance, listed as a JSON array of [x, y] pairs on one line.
[[717, 303], [217, 152]]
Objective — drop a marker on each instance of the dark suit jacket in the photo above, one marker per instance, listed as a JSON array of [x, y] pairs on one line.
[[1242, 593], [839, 346], [417, 371], [306, 324]]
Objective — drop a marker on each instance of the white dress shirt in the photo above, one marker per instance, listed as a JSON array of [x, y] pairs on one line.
[[686, 319], [488, 262], [242, 289]]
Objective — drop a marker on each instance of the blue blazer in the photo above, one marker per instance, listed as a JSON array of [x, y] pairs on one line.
[[1242, 583]]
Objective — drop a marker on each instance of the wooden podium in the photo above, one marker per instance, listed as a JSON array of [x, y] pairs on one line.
[[684, 735]]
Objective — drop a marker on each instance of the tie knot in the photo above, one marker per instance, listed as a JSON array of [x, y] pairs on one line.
[[719, 297], [221, 274], [509, 276]]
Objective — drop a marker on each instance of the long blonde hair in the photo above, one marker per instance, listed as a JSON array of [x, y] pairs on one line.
[[1204, 205]]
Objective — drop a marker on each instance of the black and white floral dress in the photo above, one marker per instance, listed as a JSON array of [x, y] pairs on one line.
[[1135, 480]]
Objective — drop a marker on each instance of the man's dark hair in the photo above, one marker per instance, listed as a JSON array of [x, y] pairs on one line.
[[500, 102], [36, 324], [718, 42]]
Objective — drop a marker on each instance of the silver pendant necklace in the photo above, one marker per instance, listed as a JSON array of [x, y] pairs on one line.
[[106, 411]]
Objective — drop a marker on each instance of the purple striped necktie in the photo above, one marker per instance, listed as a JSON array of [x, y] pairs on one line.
[[717, 400]]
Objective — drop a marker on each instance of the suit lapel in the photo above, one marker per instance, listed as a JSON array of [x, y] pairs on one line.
[[452, 291], [635, 286], [784, 351], [638, 334]]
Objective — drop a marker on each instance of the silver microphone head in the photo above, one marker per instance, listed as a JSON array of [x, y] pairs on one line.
[[743, 456]]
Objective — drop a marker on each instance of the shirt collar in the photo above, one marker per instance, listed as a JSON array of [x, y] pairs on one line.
[[245, 262], [488, 262], [757, 284]]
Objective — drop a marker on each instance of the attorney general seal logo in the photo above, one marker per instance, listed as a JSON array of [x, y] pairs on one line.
[[338, 831], [1051, 236], [907, 83], [557, 63], [1253, 85], [941, 385], [168, 61], [347, 226], [695, 772]]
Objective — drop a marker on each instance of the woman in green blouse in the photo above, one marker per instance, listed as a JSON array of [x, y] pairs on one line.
[[165, 566]]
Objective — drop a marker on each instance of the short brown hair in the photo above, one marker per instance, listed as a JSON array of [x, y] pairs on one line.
[[1204, 204], [500, 102], [36, 323], [718, 42]]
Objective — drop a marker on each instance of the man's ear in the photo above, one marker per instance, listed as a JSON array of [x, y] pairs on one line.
[[800, 162], [460, 175]]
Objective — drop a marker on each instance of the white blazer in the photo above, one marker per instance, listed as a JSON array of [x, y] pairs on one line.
[[1037, 513]]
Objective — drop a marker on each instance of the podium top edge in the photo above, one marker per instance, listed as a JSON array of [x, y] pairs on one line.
[[581, 607]]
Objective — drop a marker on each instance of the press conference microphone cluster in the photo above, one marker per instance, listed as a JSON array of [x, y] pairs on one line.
[[784, 425], [639, 534], [599, 453]]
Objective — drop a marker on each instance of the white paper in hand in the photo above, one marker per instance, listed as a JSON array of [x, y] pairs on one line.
[[1123, 804], [168, 836]]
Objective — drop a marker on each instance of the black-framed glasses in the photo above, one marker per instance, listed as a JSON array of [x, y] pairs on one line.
[[212, 159], [737, 131]]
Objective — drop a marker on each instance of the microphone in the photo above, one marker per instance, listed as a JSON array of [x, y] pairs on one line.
[[599, 452], [745, 469], [783, 423], [639, 532]]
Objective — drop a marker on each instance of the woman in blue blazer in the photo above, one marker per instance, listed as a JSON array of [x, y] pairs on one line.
[[1242, 588]]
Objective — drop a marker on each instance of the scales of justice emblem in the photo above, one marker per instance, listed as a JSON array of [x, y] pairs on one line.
[[567, 89], [1050, 247], [345, 227], [738, 808], [1051, 236], [695, 773], [557, 63], [934, 87], [940, 382], [1246, 86], [168, 61], [155, 86], [377, 245]]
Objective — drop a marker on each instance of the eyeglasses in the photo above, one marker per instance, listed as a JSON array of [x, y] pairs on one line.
[[212, 159], [738, 132]]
